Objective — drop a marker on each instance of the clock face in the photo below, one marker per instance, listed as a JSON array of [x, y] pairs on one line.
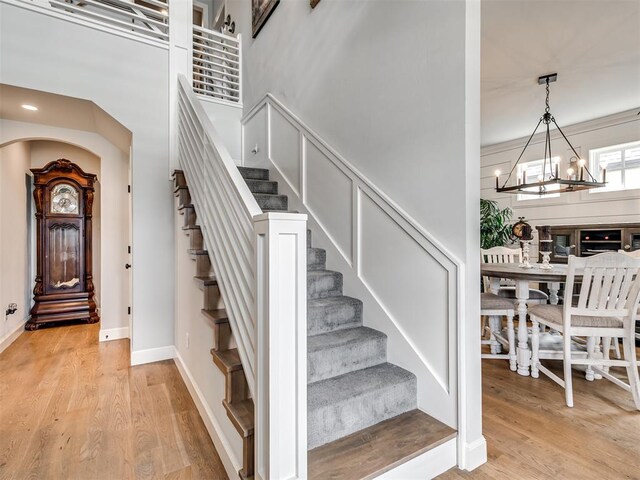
[[64, 199]]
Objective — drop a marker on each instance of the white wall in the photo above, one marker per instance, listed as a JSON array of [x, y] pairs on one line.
[[570, 208], [383, 82], [129, 80], [15, 162], [393, 87], [226, 121]]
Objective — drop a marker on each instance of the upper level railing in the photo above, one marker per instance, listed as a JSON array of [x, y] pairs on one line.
[[149, 18], [216, 65]]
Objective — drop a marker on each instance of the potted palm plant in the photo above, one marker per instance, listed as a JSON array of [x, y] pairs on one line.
[[495, 226]]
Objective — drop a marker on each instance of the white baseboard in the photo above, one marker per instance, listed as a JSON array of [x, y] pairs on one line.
[[426, 466], [475, 454], [11, 336], [220, 441], [114, 334], [149, 355]]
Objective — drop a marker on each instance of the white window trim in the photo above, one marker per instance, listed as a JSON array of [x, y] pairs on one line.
[[595, 164]]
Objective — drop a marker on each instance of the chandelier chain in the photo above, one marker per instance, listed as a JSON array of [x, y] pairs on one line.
[[547, 108]]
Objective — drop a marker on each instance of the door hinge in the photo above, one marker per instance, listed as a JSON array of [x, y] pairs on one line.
[[128, 310], [129, 188]]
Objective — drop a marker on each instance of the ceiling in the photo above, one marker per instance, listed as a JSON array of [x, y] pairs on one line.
[[63, 112], [594, 46]]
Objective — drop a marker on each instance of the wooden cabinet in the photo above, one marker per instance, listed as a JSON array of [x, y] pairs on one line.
[[586, 240], [64, 288]]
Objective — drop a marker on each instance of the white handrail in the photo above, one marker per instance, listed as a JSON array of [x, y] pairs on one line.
[[121, 15], [217, 65], [260, 263], [225, 209]]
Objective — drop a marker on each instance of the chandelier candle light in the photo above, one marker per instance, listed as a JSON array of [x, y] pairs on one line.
[[575, 181]]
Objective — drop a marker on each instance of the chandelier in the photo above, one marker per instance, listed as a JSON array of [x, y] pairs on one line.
[[578, 175]]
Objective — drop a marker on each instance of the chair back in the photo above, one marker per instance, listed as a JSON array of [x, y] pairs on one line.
[[634, 254], [499, 255], [610, 287]]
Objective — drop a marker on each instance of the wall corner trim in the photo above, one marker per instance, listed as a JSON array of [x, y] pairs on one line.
[[12, 336], [140, 357], [473, 455], [109, 334], [231, 464]]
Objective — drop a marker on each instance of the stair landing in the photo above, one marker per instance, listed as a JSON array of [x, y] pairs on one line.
[[375, 450]]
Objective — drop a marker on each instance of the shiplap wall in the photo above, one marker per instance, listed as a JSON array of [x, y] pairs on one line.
[[569, 208]]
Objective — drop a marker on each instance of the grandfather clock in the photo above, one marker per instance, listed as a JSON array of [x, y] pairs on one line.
[[63, 291]]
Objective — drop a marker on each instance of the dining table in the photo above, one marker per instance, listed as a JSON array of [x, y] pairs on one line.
[[523, 277]]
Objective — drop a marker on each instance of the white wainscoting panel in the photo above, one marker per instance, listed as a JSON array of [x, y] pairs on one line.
[[408, 280], [284, 148], [408, 283], [329, 197]]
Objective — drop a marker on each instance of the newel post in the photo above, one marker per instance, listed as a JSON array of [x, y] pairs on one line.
[[281, 350]]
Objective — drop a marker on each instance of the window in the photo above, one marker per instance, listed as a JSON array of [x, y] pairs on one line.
[[531, 172], [622, 163]]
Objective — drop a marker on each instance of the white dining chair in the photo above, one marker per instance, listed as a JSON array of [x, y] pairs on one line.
[[634, 254], [607, 307], [507, 287], [492, 305]]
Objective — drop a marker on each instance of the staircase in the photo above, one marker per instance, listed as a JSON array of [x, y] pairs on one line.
[[358, 403]]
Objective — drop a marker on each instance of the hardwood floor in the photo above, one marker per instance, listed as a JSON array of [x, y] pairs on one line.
[[533, 435], [72, 408]]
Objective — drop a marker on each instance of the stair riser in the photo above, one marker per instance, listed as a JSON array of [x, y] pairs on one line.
[[329, 285], [236, 388], [272, 202], [179, 180], [316, 259], [195, 239], [222, 337], [341, 359], [212, 298], [336, 421], [184, 198], [254, 173], [203, 265], [326, 319], [261, 186], [190, 217]]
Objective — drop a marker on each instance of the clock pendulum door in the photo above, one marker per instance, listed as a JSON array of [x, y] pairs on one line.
[[64, 288]]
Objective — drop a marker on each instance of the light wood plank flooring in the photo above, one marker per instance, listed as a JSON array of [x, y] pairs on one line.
[[533, 435], [72, 408]]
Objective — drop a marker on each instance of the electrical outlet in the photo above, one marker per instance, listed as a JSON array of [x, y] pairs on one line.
[[188, 340]]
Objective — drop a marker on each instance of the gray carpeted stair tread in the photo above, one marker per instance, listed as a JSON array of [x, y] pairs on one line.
[[351, 386], [262, 186], [339, 352], [254, 173], [316, 259], [324, 283], [345, 404], [333, 313], [271, 202]]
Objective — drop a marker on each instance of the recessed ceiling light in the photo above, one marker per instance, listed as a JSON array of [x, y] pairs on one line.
[[29, 107]]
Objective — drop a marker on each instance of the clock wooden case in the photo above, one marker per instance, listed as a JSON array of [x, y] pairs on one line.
[[64, 288]]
